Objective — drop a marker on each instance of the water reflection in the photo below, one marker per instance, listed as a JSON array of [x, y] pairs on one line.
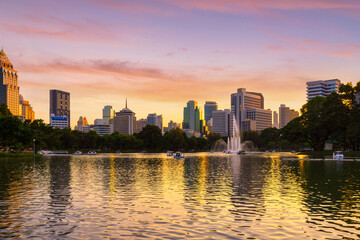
[[202, 196], [58, 217]]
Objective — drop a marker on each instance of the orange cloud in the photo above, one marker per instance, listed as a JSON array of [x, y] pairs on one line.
[[147, 82]]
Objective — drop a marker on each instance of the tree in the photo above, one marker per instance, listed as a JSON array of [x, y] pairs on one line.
[[252, 136], [313, 127], [10, 130], [175, 140], [293, 135], [267, 136], [151, 137], [4, 111]]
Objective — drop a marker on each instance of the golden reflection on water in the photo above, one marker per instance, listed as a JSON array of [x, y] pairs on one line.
[[302, 156], [112, 189], [283, 200], [202, 196]]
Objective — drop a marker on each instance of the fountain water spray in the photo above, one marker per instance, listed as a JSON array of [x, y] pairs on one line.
[[234, 142]]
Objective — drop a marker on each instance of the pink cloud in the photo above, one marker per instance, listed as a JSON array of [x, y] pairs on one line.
[[133, 7], [51, 27], [241, 6], [309, 46]]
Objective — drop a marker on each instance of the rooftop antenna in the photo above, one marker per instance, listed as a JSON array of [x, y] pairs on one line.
[[125, 102]]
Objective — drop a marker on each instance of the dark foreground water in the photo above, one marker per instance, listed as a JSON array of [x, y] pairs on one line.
[[204, 196]]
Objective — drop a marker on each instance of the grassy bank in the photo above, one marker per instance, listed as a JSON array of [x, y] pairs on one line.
[[11, 155]]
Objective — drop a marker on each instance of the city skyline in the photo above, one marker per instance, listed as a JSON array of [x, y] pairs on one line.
[[165, 53]]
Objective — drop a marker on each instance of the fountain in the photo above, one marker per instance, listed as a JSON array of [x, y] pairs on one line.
[[233, 144]]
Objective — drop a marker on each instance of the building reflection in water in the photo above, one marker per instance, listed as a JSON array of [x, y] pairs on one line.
[[58, 216]]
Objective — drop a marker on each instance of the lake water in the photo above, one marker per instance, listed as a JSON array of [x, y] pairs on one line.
[[154, 196]]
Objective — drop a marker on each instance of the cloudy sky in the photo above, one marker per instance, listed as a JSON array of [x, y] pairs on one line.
[[162, 53]]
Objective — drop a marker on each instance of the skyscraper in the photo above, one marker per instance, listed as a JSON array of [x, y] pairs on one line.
[[154, 119], [108, 114], [209, 107], [193, 118], [321, 88], [60, 104], [125, 121], [240, 101], [9, 89], [286, 115]]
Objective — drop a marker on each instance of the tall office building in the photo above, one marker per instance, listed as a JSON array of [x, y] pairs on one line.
[[275, 120], [9, 89], [125, 121], [240, 101], [154, 119], [60, 104], [193, 118], [286, 115], [321, 88], [209, 107], [221, 122], [108, 114]]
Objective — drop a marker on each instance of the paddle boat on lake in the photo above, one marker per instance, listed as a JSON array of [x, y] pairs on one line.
[[338, 155], [179, 155]]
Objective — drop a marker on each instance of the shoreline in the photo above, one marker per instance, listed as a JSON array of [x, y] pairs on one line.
[[18, 155]]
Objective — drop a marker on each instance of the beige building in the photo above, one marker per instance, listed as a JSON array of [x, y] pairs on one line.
[[293, 114], [240, 101], [140, 124], [275, 120], [286, 115], [9, 89], [125, 121]]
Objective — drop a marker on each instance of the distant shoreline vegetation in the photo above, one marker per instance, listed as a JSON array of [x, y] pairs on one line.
[[334, 119]]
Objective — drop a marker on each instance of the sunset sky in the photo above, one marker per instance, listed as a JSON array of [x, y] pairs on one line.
[[162, 53]]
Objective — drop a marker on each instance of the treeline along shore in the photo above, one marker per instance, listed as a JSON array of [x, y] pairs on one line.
[[334, 119]]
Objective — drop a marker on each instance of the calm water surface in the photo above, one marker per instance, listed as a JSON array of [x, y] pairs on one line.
[[153, 196]]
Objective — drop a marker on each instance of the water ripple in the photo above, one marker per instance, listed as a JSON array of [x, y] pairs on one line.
[[204, 196]]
